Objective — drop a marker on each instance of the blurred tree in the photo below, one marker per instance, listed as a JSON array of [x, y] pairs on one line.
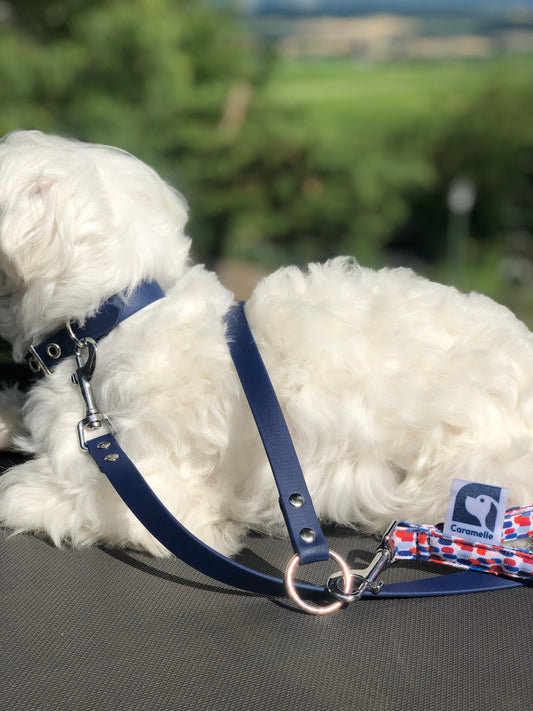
[[178, 84], [491, 144], [151, 76], [118, 68]]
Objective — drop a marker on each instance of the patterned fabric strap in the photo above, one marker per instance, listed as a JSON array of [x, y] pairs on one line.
[[427, 543]]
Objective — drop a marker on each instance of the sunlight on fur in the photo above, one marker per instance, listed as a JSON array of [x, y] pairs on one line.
[[391, 385]]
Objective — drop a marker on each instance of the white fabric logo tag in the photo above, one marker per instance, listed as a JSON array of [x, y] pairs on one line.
[[475, 512]]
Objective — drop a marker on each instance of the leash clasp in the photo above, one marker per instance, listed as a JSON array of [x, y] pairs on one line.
[[365, 579], [93, 419]]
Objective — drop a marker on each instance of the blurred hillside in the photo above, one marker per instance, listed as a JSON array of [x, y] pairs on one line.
[[297, 138], [386, 37], [359, 7]]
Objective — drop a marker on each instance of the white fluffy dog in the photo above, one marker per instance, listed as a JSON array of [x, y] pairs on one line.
[[391, 385]]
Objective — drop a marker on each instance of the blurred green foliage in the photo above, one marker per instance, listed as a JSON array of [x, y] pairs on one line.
[[282, 161], [151, 76]]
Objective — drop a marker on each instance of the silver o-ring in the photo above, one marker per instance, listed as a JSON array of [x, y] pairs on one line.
[[78, 343]]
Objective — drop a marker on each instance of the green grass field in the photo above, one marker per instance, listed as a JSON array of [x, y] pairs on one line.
[[369, 101], [342, 95]]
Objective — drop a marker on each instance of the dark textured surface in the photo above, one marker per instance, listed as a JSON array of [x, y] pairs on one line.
[[100, 630]]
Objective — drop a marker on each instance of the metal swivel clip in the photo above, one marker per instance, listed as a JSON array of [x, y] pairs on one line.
[[85, 353], [365, 579]]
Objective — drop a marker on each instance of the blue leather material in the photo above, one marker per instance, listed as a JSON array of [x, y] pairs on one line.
[[465, 581], [146, 506], [276, 438], [140, 498], [110, 314]]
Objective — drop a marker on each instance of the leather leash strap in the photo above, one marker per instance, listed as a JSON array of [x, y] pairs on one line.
[[139, 497], [147, 507]]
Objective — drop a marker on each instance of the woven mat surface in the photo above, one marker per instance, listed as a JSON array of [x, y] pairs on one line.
[[107, 630]]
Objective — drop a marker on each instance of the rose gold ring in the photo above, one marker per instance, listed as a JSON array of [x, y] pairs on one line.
[[317, 609]]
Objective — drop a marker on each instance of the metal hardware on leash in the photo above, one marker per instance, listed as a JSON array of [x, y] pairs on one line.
[[93, 419], [70, 331], [365, 579], [345, 575]]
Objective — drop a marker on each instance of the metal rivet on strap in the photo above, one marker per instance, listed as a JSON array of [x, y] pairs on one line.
[[296, 500], [111, 458], [307, 535], [53, 351], [103, 445]]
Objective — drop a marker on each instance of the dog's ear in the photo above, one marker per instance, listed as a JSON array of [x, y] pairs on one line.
[[70, 211], [22, 229], [40, 217]]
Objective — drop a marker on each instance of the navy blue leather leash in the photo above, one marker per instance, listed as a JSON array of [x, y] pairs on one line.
[[147, 507], [133, 489], [284, 462], [304, 529]]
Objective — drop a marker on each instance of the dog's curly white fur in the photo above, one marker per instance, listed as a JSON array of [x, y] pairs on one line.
[[391, 385]]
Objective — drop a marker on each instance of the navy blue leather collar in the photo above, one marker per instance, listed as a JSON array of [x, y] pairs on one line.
[[43, 357]]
